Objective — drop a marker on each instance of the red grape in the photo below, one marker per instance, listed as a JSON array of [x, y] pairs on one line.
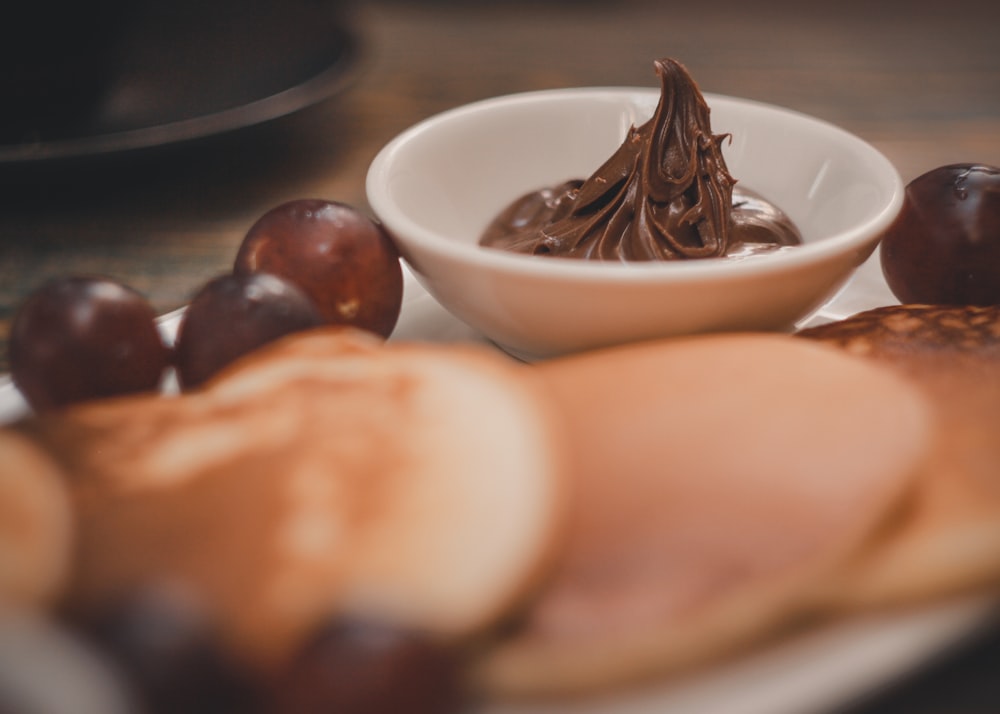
[[341, 258], [944, 248], [79, 337], [360, 667], [233, 315], [171, 654]]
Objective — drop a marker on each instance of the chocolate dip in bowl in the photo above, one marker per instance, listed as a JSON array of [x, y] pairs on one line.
[[440, 184]]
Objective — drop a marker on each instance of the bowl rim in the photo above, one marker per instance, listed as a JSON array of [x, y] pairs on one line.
[[398, 223]]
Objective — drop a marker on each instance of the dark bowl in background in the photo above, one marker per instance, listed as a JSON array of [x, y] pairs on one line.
[[84, 78], [56, 60]]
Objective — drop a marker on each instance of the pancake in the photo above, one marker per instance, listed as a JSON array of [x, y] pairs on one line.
[[948, 538], [36, 526], [327, 474], [717, 480]]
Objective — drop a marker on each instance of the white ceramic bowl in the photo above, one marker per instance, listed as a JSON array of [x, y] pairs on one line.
[[437, 185]]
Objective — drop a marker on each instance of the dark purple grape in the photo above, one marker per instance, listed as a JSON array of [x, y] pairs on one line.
[[79, 337], [169, 653], [343, 260], [944, 248], [234, 314], [355, 667]]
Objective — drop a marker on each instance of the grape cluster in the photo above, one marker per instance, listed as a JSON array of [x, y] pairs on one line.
[[303, 264], [173, 661]]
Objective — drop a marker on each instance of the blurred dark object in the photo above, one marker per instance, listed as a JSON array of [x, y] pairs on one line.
[[56, 60], [80, 79], [354, 666], [171, 655], [965, 681]]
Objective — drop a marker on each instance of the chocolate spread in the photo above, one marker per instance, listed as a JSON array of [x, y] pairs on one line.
[[665, 194]]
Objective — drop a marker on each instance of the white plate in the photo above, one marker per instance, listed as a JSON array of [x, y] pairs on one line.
[[810, 672]]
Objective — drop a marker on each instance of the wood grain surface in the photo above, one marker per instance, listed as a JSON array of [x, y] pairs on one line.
[[919, 80]]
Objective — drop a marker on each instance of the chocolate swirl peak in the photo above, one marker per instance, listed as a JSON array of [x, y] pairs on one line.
[[665, 194]]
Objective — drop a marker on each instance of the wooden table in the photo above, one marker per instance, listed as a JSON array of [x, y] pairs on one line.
[[919, 80], [921, 83]]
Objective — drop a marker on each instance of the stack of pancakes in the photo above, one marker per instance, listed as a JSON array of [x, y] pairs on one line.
[[327, 475], [589, 521]]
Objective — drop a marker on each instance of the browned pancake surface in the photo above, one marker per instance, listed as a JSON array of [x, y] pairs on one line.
[[327, 474], [717, 480], [948, 538]]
